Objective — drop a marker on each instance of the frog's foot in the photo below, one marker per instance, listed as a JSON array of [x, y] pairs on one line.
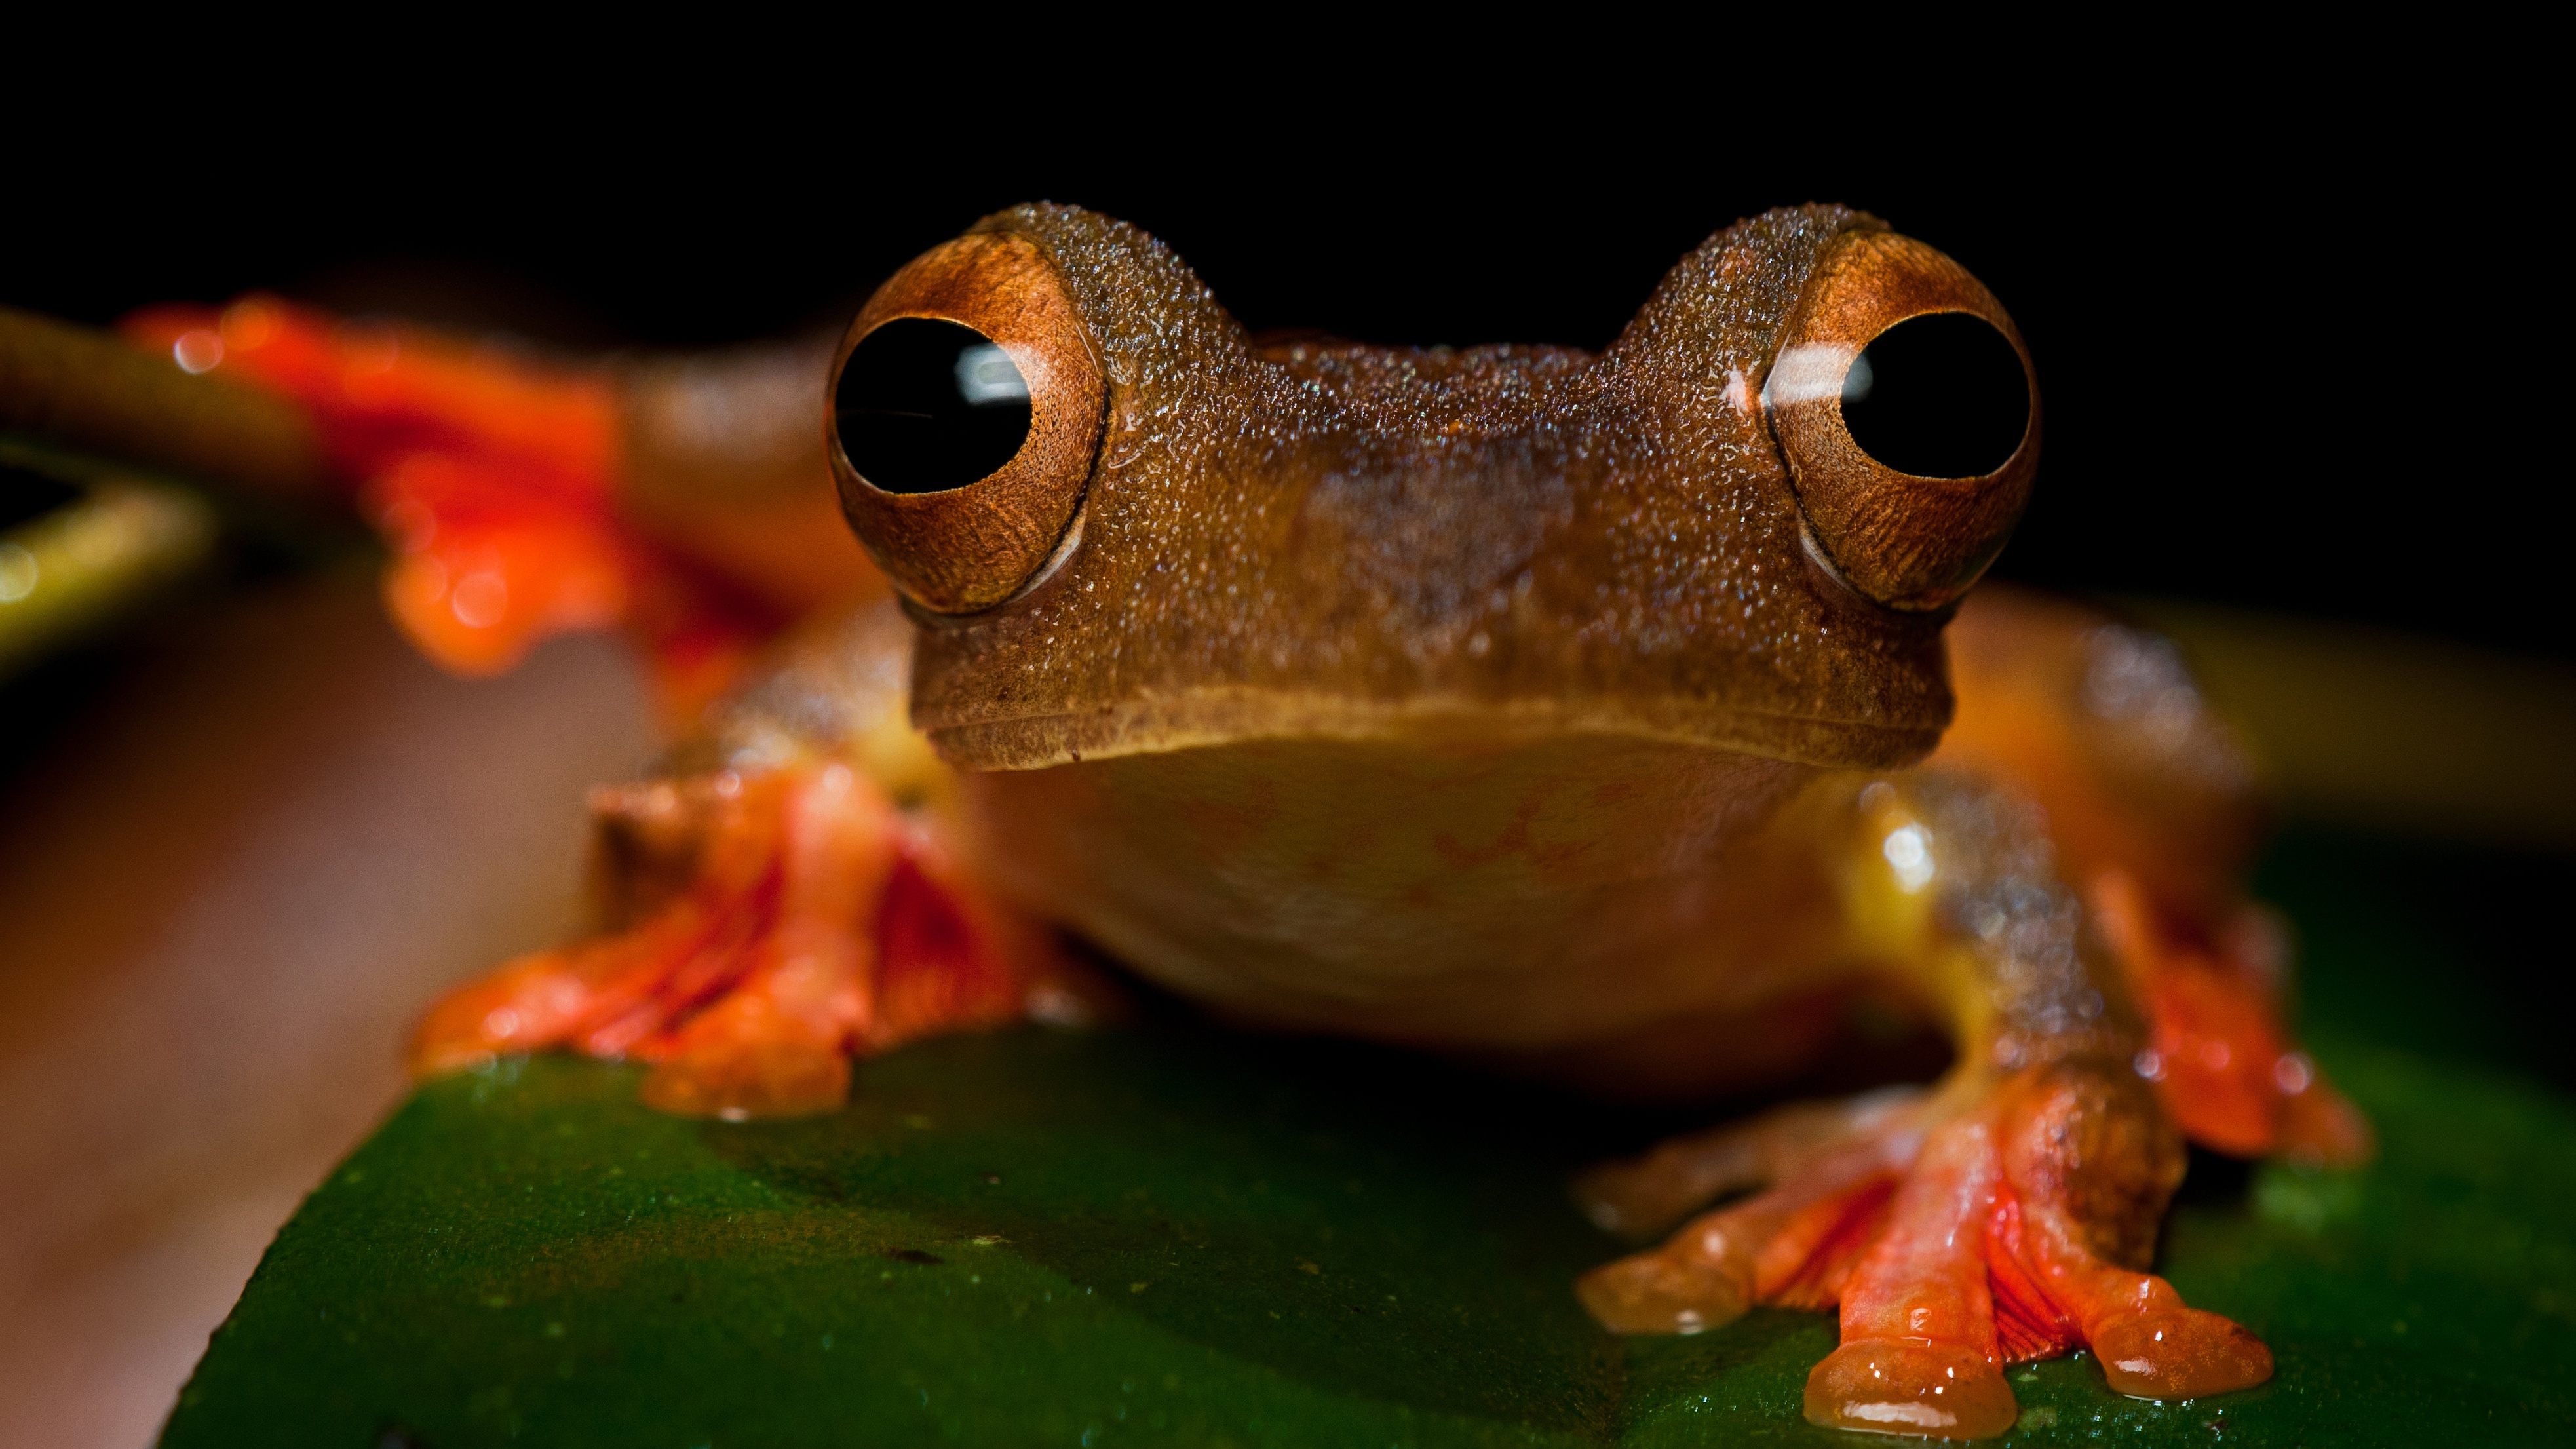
[[1646, 1195], [808, 920], [2008, 1240], [1991, 1224], [493, 478], [2215, 1049], [1831, 1167]]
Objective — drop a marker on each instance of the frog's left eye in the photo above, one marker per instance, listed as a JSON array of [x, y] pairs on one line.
[[1902, 399], [965, 415]]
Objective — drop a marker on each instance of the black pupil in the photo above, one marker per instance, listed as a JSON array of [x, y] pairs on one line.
[[1938, 396], [925, 405]]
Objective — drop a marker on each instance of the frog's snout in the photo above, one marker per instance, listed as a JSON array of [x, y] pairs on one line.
[[1904, 402]]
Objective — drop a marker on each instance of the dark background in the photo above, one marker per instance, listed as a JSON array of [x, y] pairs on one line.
[[2288, 340]]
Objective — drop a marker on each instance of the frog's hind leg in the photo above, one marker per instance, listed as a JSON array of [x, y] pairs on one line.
[[813, 919], [2154, 811], [2215, 1048]]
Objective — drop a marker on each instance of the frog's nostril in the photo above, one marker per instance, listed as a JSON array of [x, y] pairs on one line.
[[925, 405], [1938, 396]]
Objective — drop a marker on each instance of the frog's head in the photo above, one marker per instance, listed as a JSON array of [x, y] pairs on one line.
[[1126, 526]]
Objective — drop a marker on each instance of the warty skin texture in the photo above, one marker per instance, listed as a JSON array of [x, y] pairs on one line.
[[1319, 540]]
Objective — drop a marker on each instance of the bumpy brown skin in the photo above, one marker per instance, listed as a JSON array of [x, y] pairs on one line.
[[1316, 540]]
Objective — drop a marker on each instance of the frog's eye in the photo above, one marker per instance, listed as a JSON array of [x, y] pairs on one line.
[[1903, 401], [926, 405], [965, 416]]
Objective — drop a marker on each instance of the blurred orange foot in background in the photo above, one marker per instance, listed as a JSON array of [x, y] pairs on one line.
[[2215, 1048], [494, 478]]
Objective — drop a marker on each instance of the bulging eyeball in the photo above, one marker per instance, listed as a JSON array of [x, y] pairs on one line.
[[1903, 400], [965, 415]]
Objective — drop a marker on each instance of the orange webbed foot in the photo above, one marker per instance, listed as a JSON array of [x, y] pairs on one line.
[[2007, 1242], [1833, 1165], [814, 921], [1645, 1195], [1918, 1352], [1997, 1222], [2087, 1169]]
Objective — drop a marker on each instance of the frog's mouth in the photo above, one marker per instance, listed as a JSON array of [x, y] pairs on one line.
[[1443, 632], [1396, 617], [1218, 717]]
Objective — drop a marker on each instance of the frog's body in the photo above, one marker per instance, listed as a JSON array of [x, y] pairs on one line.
[[1560, 710]]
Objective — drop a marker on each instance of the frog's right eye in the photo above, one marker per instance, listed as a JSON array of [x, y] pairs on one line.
[[965, 416]]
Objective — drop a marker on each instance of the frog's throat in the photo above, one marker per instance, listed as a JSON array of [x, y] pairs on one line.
[[1200, 719]]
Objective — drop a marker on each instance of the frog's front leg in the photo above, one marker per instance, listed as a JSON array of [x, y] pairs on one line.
[[795, 901], [2008, 1214]]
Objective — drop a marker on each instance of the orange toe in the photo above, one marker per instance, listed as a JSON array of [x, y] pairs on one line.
[[1665, 1292], [740, 1080], [2179, 1353], [2321, 1127], [1910, 1386]]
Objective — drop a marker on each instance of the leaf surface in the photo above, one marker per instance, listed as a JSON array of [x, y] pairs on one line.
[[1167, 1234]]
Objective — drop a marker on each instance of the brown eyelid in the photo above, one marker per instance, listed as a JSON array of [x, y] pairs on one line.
[[969, 548]]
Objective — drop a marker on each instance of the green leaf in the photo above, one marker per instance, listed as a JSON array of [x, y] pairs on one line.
[[1169, 1234]]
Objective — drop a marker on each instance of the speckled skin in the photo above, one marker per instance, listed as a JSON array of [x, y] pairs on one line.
[[1328, 540]]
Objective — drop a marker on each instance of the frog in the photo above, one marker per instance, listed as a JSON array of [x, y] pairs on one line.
[[1619, 719]]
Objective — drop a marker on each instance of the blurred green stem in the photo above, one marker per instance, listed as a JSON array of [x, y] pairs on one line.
[[77, 566]]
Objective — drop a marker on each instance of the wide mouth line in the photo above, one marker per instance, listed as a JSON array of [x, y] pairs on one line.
[[1212, 719]]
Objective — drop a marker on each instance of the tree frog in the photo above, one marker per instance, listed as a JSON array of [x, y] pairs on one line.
[[1617, 718]]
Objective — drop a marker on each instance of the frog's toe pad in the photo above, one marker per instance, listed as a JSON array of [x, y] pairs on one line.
[[1910, 1386], [1646, 1195], [1665, 1292], [2179, 1353]]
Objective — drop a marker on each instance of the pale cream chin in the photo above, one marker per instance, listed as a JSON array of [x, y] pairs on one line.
[[1527, 899]]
